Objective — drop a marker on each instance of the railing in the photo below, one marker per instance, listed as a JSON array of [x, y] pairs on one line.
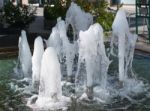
[[143, 11]]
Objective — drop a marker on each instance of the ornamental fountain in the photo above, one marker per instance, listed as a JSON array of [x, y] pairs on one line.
[[89, 77]]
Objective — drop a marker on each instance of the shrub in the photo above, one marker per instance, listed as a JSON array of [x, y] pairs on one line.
[[54, 10], [105, 20], [18, 16], [50, 12]]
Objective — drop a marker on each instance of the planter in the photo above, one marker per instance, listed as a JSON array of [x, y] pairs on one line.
[[49, 24]]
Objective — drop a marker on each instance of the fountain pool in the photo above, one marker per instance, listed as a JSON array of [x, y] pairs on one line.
[[16, 100]]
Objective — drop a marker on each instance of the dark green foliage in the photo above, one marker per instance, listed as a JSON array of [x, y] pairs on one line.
[[54, 10], [18, 16], [104, 17], [50, 13], [106, 20], [86, 6]]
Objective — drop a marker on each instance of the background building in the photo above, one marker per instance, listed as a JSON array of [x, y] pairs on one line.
[[128, 1], [124, 1]]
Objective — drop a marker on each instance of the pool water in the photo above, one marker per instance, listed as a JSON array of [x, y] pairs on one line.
[[6, 66], [141, 65], [12, 100]]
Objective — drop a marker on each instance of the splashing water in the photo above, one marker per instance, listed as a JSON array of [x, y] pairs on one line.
[[78, 19], [50, 90], [69, 49], [125, 42], [92, 52], [24, 64], [59, 40], [36, 62], [55, 41], [92, 81]]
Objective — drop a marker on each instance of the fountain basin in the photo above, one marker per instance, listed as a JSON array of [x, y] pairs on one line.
[[141, 101]]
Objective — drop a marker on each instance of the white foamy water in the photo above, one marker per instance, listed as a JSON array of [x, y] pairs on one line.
[[55, 41], [69, 49], [125, 41], [92, 53], [50, 90], [36, 61], [24, 65]]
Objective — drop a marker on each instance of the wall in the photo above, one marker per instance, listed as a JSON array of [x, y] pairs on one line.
[[25, 2], [128, 1]]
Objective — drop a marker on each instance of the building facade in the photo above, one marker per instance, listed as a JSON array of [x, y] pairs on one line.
[[128, 1], [132, 2]]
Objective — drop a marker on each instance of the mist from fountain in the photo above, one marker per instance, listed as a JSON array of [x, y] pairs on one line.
[[55, 41], [69, 49], [36, 62], [78, 19]]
